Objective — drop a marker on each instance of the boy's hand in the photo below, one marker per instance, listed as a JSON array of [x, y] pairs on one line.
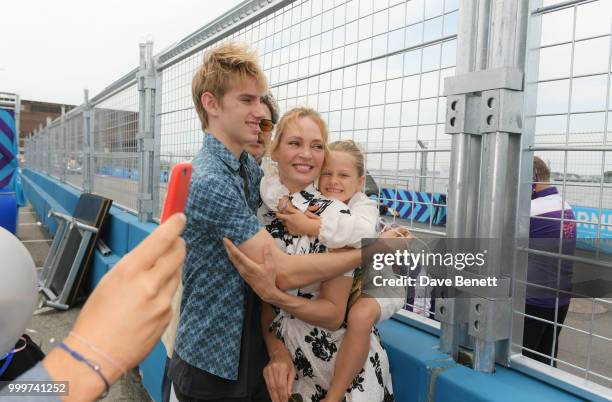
[[261, 277], [298, 223]]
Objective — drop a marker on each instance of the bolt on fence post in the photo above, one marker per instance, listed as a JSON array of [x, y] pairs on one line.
[[64, 158], [147, 79], [88, 162]]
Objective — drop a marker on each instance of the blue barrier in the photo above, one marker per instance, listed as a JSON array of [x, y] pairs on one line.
[[9, 149], [124, 173], [418, 206], [8, 210], [587, 233]]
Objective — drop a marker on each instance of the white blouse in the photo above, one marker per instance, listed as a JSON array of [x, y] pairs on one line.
[[344, 229]]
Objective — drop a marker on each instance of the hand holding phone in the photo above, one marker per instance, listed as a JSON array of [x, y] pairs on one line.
[[178, 189]]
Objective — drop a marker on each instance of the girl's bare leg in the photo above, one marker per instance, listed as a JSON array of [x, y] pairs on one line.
[[354, 347]]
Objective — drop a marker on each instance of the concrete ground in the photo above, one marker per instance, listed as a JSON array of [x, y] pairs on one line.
[[50, 323]]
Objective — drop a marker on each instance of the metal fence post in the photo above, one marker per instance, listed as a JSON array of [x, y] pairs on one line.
[[147, 87], [88, 162], [423, 167], [32, 161], [461, 124], [157, 137], [17, 121], [64, 158], [47, 134], [484, 110]]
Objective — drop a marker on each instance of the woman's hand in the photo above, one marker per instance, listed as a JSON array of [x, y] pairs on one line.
[[396, 232], [261, 277], [134, 297], [279, 375], [283, 203], [298, 223], [126, 314]]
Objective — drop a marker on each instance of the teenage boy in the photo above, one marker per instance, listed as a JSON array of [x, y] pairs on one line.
[[220, 352], [257, 150]]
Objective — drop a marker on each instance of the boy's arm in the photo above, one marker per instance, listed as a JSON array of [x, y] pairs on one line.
[[292, 271], [286, 271]]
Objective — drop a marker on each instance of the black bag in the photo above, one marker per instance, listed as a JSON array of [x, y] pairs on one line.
[[22, 360]]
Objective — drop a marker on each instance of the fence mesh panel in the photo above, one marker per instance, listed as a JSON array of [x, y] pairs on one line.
[[74, 149], [115, 124], [570, 72]]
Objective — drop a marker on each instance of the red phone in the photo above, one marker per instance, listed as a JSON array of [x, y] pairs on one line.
[[178, 188]]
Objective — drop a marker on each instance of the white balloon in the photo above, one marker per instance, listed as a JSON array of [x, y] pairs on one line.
[[18, 291]]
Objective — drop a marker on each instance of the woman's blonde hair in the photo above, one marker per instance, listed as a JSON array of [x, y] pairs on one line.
[[223, 67], [353, 149], [292, 116]]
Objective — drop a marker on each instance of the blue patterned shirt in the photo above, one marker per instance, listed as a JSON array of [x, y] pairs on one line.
[[213, 304]]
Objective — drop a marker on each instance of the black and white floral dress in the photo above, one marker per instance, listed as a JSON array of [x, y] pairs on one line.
[[314, 349]]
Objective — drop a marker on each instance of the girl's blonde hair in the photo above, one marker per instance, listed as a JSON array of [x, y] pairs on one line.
[[353, 149], [292, 116]]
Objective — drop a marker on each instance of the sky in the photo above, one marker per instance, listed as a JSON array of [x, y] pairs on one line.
[[56, 49], [52, 50]]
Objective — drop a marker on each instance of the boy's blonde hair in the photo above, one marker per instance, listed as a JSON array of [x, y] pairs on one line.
[[353, 149], [224, 67], [292, 116]]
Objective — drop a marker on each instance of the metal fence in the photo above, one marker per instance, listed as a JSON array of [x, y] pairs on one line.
[[418, 83], [115, 157], [74, 148], [567, 102]]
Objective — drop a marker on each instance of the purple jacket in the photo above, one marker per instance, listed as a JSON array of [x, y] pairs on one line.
[[545, 234]]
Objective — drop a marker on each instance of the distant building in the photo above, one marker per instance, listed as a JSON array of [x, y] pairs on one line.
[[32, 114]]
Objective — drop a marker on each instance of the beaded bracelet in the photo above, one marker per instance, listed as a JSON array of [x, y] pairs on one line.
[[100, 352], [96, 368]]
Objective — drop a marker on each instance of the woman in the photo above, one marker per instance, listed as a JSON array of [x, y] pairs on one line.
[[313, 336]]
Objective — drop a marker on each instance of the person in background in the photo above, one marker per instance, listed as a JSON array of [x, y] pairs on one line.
[[552, 224], [266, 126]]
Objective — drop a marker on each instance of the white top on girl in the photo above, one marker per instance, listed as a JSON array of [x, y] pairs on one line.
[[337, 230]]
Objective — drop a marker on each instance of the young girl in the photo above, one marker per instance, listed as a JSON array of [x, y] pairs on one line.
[[342, 178]]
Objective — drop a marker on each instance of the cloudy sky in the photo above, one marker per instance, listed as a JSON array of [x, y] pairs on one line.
[[52, 50]]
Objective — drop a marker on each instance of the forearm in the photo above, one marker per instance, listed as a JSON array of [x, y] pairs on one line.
[[304, 269], [83, 382], [273, 344], [319, 312]]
